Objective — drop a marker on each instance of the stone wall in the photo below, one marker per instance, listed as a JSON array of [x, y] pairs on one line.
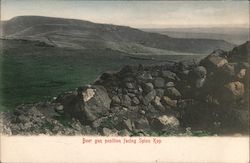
[[212, 95]]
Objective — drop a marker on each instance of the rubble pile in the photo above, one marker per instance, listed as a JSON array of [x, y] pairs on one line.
[[212, 95]]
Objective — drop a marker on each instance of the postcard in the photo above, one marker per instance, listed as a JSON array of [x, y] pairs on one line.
[[124, 81]]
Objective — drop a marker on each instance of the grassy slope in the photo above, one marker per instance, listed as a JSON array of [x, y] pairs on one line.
[[233, 35], [32, 73], [81, 34]]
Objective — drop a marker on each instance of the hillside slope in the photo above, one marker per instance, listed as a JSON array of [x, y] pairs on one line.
[[87, 35], [235, 35], [181, 99]]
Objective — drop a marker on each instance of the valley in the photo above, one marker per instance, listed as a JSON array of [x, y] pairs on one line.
[[44, 56]]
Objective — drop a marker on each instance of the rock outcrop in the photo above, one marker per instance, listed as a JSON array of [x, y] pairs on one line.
[[86, 103], [212, 95]]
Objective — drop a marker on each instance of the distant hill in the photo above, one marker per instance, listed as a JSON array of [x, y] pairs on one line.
[[233, 35], [79, 34]]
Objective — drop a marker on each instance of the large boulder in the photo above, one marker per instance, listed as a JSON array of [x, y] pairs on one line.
[[87, 104], [96, 102], [160, 92], [173, 93], [159, 82], [214, 60], [240, 53], [109, 132], [126, 100], [169, 75], [71, 104], [169, 102], [170, 84], [116, 100], [165, 123], [242, 73], [232, 91], [149, 97], [147, 87], [145, 76], [142, 123], [197, 76], [157, 103], [127, 124]]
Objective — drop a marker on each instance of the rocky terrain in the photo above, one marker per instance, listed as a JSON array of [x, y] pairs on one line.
[[167, 99]]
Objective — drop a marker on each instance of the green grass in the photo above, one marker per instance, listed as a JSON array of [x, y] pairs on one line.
[[30, 73]]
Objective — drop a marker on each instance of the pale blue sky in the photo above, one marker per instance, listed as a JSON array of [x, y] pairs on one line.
[[140, 14]]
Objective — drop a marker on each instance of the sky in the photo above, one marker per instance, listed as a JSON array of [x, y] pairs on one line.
[[139, 14]]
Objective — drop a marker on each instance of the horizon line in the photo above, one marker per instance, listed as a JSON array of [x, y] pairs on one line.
[[163, 27]]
